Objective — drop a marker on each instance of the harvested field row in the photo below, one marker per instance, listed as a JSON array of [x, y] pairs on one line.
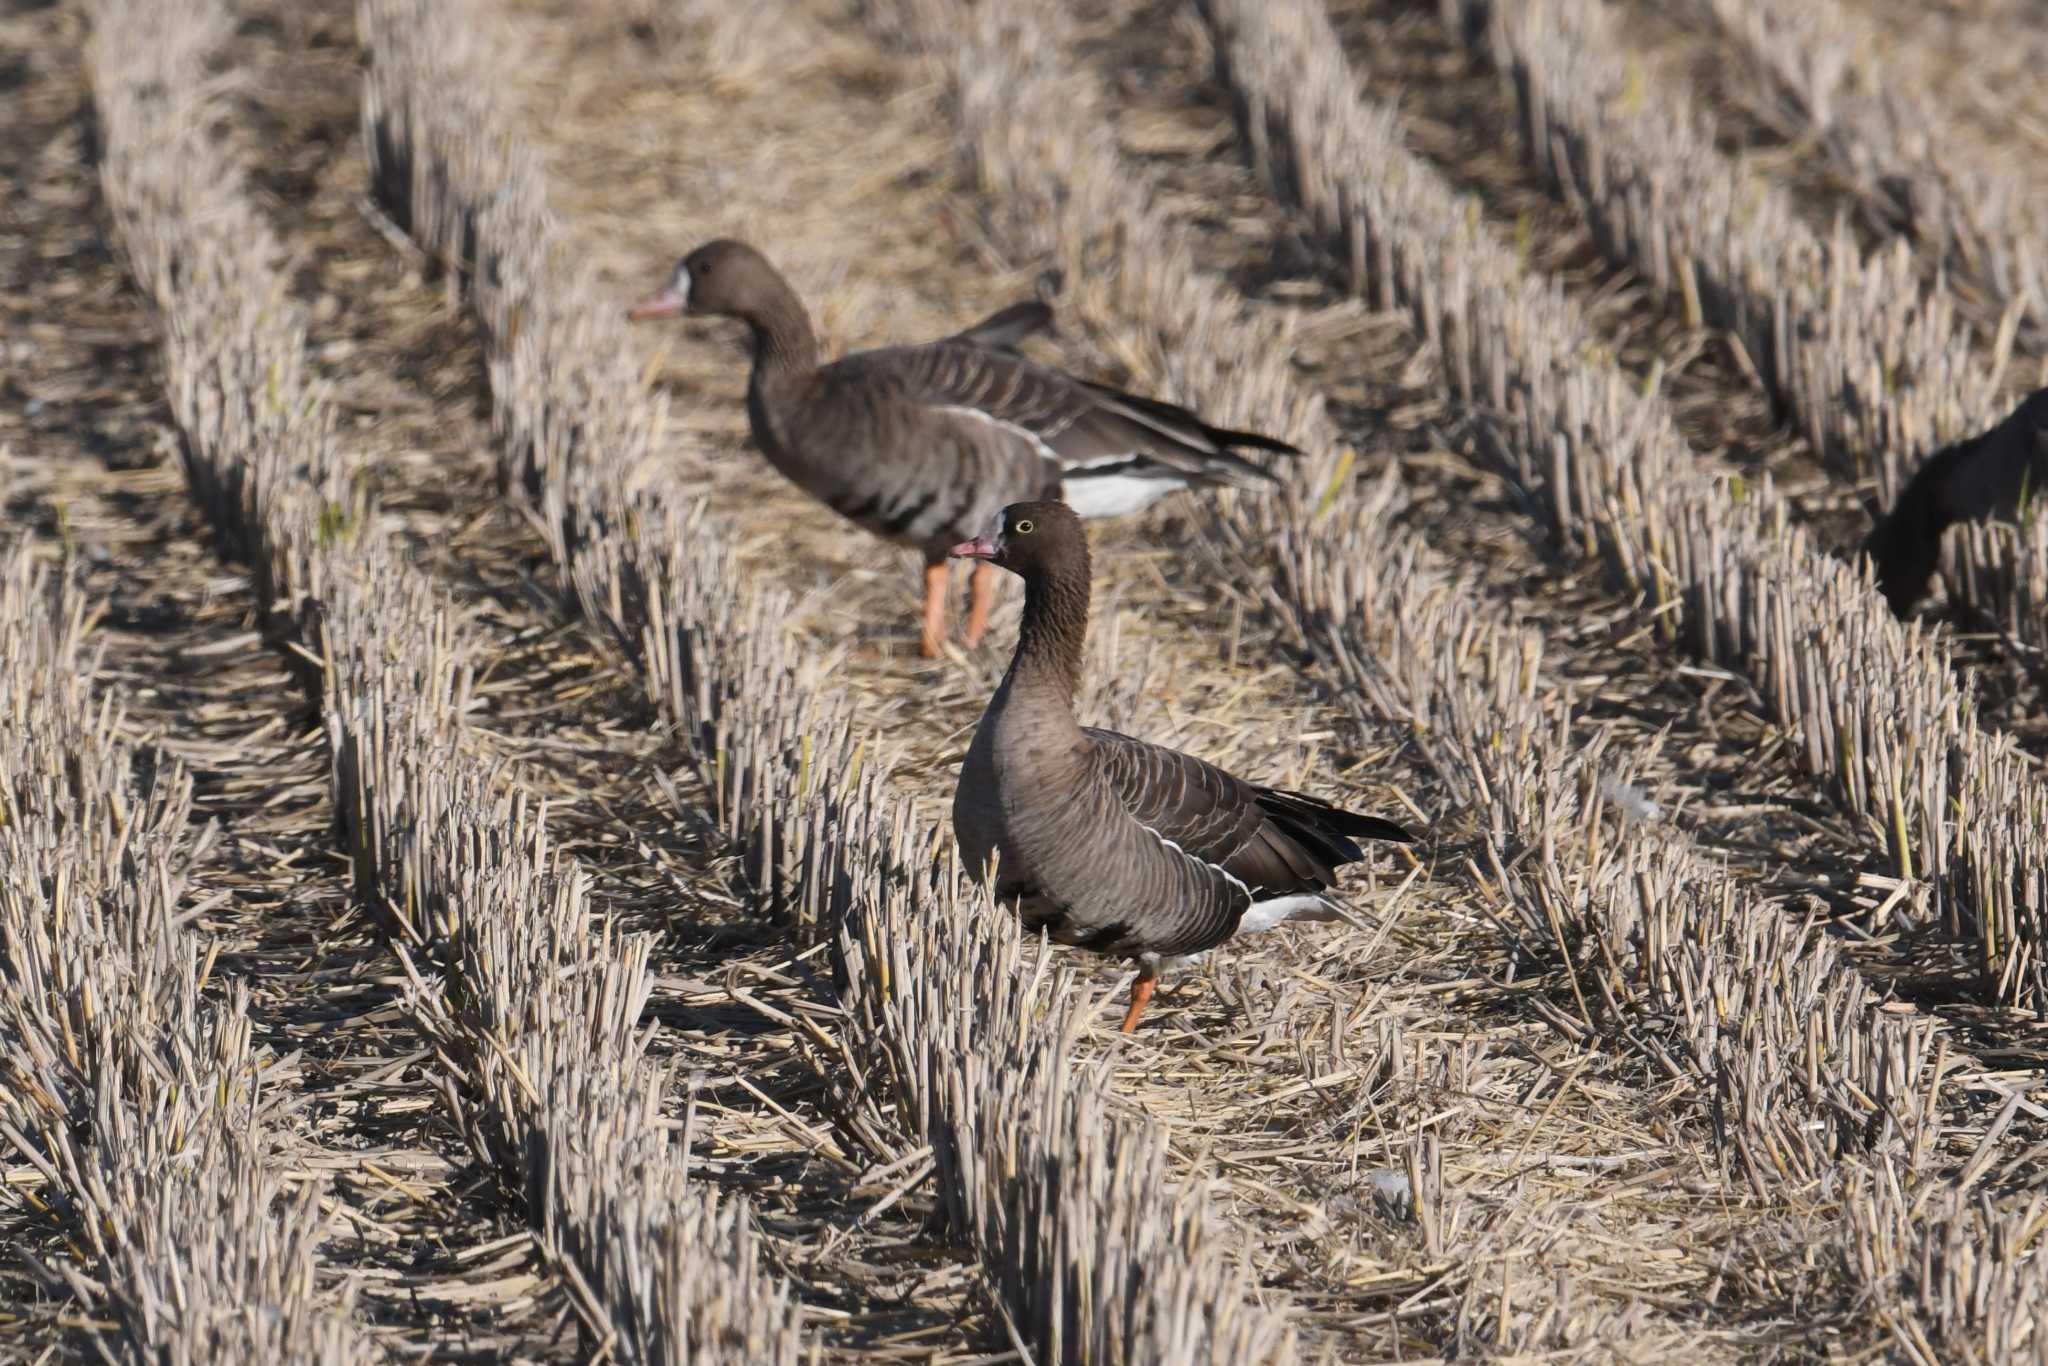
[[1431, 1268], [1413, 1264], [1903, 151], [1383, 611], [1535, 1105], [1866, 355], [147, 1117], [1959, 1317], [536, 1026], [1981, 56], [1369, 597], [153, 1121], [568, 721], [1861, 350], [1461, 116], [410, 1226], [1467, 1221], [1874, 362], [1022, 1145], [1809, 96], [1694, 739], [1877, 709], [1869, 361], [1697, 744]]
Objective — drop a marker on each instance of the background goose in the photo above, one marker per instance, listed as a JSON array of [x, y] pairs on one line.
[[1988, 475], [922, 445], [1109, 843]]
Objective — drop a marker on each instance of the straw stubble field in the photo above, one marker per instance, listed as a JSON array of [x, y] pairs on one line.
[[513, 918]]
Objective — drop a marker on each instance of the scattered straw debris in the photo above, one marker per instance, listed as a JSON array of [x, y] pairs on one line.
[[1876, 706], [1574, 1089], [532, 1014], [828, 843], [146, 1118]]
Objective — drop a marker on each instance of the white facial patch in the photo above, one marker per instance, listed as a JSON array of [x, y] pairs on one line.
[[994, 534], [681, 284]]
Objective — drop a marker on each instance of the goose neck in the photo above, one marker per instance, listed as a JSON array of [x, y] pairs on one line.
[[784, 345], [1054, 631]]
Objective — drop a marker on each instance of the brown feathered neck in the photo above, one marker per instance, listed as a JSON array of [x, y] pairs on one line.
[[784, 345], [1054, 631]]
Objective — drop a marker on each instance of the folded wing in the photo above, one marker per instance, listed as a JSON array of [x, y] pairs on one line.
[[1087, 430], [1276, 843]]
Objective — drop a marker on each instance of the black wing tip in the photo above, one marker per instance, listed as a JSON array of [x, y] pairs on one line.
[[1225, 466], [1323, 817], [1376, 828], [1254, 441], [1223, 438], [1353, 825]]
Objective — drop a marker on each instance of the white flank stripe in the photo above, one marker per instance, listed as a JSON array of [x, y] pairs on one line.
[[1115, 495], [1225, 873], [1264, 915], [1260, 915], [1037, 443], [1110, 495]]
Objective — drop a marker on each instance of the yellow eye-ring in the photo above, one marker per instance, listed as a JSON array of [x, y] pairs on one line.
[[1023, 528]]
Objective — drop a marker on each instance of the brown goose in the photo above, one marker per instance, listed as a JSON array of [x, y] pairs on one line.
[[1988, 475], [922, 445], [1109, 843]]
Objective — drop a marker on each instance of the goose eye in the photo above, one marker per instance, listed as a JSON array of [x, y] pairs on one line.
[[1023, 528]]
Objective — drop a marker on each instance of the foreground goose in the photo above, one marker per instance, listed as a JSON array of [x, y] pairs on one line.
[[1988, 475], [921, 445], [1109, 843]]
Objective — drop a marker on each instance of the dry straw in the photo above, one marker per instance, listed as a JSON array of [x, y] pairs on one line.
[[534, 1015], [1414, 650], [1672, 952], [1889, 141], [1678, 537], [149, 1122], [1093, 1254], [1410, 648], [1874, 708], [1865, 353], [1872, 361], [1696, 972], [1959, 1277], [1862, 100]]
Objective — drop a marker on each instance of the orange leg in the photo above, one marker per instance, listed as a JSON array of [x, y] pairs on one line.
[[1141, 992], [934, 607], [981, 595]]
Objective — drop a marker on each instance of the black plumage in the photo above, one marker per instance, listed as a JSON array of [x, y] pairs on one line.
[[1991, 475]]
